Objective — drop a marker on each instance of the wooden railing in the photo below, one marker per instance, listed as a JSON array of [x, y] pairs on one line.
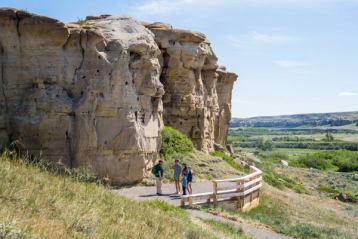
[[246, 191]]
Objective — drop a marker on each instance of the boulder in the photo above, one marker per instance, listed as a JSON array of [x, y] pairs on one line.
[[284, 163]]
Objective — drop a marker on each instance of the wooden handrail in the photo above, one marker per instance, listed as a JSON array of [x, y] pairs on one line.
[[254, 174], [246, 185]]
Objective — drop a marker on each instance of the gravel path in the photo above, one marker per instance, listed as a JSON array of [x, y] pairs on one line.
[[149, 193]]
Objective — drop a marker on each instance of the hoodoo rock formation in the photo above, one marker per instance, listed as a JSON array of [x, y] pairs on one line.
[[90, 94], [193, 84]]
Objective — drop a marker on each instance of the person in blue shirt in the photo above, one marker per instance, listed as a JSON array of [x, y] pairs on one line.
[[184, 179], [190, 180]]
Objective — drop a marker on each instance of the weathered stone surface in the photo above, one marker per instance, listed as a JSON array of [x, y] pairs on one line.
[[193, 86], [90, 94], [224, 88], [85, 96]]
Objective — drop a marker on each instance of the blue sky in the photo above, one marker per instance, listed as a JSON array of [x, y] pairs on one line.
[[292, 56]]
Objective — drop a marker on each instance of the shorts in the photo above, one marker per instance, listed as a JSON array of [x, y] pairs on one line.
[[176, 178]]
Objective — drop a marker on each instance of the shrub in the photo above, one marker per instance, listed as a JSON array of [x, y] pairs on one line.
[[346, 164], [341, 160], [11, 231], [264, 144], [173, 142], [314, 162]]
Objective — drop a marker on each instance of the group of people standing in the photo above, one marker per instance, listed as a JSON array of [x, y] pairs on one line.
[[184, 173], [181, 174]]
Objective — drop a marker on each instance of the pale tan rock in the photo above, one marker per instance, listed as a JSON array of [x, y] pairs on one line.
[[89, 94], [191, 80], [224, 88], [81, 96]]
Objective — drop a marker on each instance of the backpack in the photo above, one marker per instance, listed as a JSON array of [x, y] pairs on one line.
[[155, 170]]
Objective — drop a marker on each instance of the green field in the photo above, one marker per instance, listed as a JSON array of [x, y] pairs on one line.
[[330, 154], [322, 165]]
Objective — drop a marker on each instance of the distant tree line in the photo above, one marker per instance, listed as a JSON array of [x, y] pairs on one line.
[[268, 145], [291, 123]]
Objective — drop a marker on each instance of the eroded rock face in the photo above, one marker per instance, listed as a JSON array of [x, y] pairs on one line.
[[224, 88], [90, 95], [193, 86], [83, 96]]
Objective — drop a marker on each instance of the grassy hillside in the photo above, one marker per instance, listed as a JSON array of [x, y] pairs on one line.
[[299, 215], [39, 203]]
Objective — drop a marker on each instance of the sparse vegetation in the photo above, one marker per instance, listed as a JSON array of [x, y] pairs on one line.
[[82, 22], [204, 167], [228, 229], [281, 181], [229, 160], [297, 215]]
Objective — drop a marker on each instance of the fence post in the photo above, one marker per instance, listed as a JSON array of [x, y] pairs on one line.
[[240, 199], [215, 191]]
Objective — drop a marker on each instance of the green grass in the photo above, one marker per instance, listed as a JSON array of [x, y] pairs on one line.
[[332, 192], [340, 160], [229, 160], [281, 181], [228, 229], [174, 142], [275, 214], [41, 203], [296, 217]]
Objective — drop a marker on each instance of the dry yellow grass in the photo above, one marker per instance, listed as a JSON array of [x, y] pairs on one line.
[[40, 204]]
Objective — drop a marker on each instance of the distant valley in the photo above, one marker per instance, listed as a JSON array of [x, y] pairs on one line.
[[341, 120]]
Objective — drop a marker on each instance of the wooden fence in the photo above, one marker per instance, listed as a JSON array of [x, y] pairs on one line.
[[245, 191]]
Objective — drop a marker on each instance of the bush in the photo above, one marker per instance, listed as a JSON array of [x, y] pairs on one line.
[[173, 142], [9, 230], [340, 160], [314, 162], [264, 144], [346, 164]]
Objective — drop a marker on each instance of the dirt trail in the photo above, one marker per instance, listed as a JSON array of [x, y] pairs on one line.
[[149, 193]]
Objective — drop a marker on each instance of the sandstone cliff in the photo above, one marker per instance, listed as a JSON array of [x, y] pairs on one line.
[[90, 94], [197, 97]]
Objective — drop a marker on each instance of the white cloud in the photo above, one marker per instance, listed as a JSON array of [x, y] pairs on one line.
[[291, 63], [346, 93], [273, 39], [254, 39]]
